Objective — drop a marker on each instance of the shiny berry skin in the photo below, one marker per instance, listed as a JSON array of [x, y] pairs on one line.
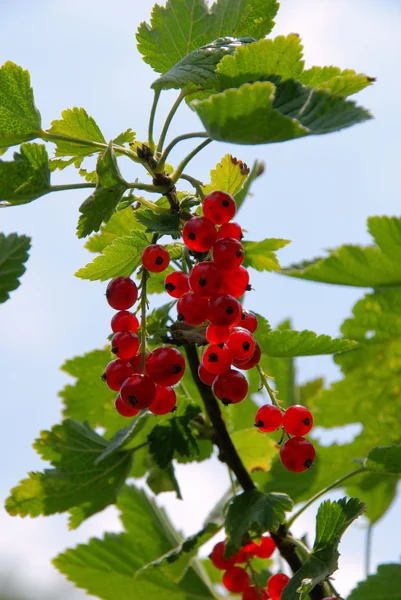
[[228, 254], [121, 293], [230, 387], [124, 344], [176, 284], [199, 234], [249, 321], [246, 553], [223, 310], [297, 454], [124, 321], [245, 365], [218, 560], [217, 335], [235, 282], [266, 547], [192, 308], [116, 372], [155, 258], [216, 359], [219, 207], [236, 580], [205, 279], [230, 230], [297, 420], [165, 365], [268, 418], [123, 409], [164, 402], [206, 376], [276, 584], [138, 391], [241, 343], [252, 593]]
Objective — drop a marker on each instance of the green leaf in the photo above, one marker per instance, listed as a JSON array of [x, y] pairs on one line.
[[332, 520], [255, 450], [385, 460], [257, 170], [119, 258], [13, 254], [19, 118], [75, 484], [261, 256], [183, 26], [165, 224], [120, 224], [126, 137], [123, 436], [287, 343], [255, 512], [229, 175], [163, 480], [336, 81], [25, 178], [76, 123], [385, 584], [109, 190], [386, 231], [60, 164]]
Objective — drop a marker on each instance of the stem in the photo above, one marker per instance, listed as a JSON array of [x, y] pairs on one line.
[[159, 189], [322, 493], [266, 385], [178, 172], [144, 279], [168, 122], [174, 142], [368, 549], [230, 474], [153, 207], [59, 137], [151, 142], [70, 186], [195, 183]]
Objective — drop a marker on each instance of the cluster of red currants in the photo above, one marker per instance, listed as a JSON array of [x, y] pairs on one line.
[[241, 580]]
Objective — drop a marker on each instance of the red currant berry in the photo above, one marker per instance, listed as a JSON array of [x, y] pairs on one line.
[[123, 409], [230, 387], [245, 365], [165, 365], [223, 310], [246, 553], [124, 344], [236, 580], [206, 376], [216, 334], [155, 258], [164, 402], [219, 207], [217, 557], [297, 454], [199, 234], [176, 284], [253, 593], [217, 359], [297, 420], [124, 321], [276, 584], [121, 293], [249, 321], [228, 253], [138, 391], [230, 230], [241, 343], [136, 362], [268, 418], [116, 372], [235, 282], [205, 279], [192, 308], [266, 547]]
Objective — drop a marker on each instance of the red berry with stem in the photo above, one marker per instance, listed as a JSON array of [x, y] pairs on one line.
[[216, 334], [121, 293], [219, 207], [116, 372], [241, 343], [164, 402], [138, 391], [297, 454], [124, 321], [230, 230], [205, 279], [176, 284], [235, 282], [253, 593], [123, 409], [165, 365], [230, 387], [124, 344], [228, 253], [155, 258], [276, 584], [245, 365], [236, 580], [206, 376], [297, 420], [223, 310], [217, 557], [199, 234], [192, 308], [266, 547], [136, 362], [249, 321], [246, 553], [217, 359], [268, 418]]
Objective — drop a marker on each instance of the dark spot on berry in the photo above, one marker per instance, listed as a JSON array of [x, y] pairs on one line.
[[173, 409], [221, 345], [107, 293], [306, 421], [241, 236], [192, 235], [159, 260], [202, 281], [213, 357], [103, 377], [246, 346], [244, 315], [169, 287], [132, 400], [225, 203], [239, 253], [226, 401], [260, 423], [308, 463], [180, 317], [114, 349], [177, 369], [248, 287], [229, 310]]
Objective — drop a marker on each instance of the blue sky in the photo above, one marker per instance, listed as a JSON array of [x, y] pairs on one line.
[[316, 192]]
